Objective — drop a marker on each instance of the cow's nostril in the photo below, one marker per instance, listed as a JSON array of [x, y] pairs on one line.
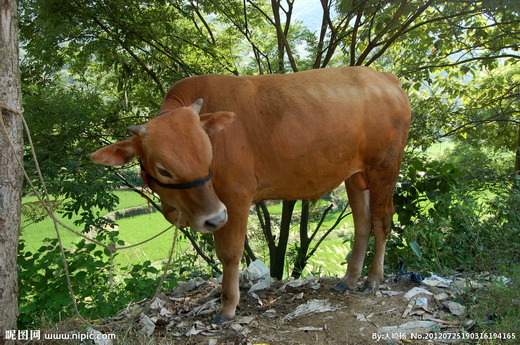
[[216, 222], [210, 225]]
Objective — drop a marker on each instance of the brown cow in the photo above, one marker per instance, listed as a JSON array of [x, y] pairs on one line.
[[289, 137]]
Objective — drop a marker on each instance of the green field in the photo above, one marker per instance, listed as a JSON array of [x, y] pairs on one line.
[[36, 233]]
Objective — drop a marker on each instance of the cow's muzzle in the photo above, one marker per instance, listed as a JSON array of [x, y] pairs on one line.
[[213, 222]]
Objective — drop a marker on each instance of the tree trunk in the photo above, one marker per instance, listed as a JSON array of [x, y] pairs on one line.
[[278, 263], [517, 160], [301, 256], [11, 176]]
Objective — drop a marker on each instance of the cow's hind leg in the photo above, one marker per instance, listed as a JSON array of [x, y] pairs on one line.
[[358, 198], [382, 183]]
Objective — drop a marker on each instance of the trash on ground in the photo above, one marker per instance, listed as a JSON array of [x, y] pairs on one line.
[[263, 284], [98, 337], [311, 329], [390, 293], [312, 306], [207, 308], [256, 270], [441, 297], [500, 279], [310, 281], [437, 281], [466, 283], [361, 317], [185, 287], [147, 326], [416, 291]]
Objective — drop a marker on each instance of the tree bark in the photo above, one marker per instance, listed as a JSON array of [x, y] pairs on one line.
[[11, 176], [517, 159], [278, 263], [305, 241]]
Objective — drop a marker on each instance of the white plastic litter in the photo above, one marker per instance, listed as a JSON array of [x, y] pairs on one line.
[[147, 325], [312, 306], [416, 291], [437, 281]]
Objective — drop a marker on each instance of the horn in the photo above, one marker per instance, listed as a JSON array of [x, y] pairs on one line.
[[197, 105], [137, 130]]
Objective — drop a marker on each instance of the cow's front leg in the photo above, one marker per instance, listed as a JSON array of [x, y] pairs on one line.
[[229, 245]]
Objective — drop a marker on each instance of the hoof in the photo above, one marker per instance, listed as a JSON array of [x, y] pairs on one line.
[[367, 288], [220, 319], [341, 287]]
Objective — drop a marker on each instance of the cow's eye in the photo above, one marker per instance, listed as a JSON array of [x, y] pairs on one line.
[[164, 172]]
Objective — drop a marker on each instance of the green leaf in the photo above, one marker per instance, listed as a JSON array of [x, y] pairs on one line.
[[416, 249]]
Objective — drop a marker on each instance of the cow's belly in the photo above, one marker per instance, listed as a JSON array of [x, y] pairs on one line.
[[303, 179]]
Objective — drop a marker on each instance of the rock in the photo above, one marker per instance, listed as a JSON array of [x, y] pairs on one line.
[[456, 308]]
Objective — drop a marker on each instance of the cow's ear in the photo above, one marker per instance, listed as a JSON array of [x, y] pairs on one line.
[[215, 122], [119, 153]]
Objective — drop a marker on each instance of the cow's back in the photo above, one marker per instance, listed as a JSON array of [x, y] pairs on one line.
[[303, 133]]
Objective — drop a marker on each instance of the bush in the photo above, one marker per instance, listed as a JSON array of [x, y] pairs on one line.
[[443, 224], [101, 289], [480, 169]]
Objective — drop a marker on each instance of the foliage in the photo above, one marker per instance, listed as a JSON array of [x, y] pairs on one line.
[[188, 261], [441, 226], [101, 289], [34, 212], [481, 169], [65, 119]]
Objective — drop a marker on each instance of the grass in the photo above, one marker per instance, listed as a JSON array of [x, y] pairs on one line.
[[136, 229], [36, 233], [329, 260]]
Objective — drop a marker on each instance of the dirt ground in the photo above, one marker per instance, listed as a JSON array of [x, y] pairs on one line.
[[266, 318]]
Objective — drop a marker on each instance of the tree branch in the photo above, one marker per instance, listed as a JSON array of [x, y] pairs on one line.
[[131, 53], [383, 32], [460, 62], [341, 216], [354, 35], [206, 25]]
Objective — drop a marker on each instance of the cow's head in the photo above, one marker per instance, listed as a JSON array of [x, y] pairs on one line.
[[176, 155]]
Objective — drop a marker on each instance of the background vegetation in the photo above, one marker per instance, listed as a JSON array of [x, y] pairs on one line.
[[92, 68]]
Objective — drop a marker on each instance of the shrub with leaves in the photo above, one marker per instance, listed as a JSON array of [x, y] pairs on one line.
[[444, 224], [101, 289]]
